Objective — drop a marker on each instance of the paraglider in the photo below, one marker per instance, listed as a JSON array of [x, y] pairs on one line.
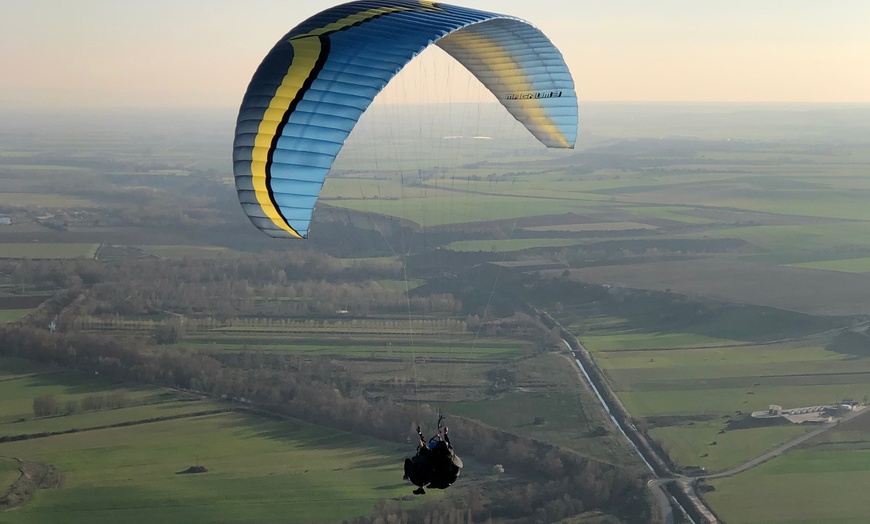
[[311, 89], [314, 85], [436, 464]]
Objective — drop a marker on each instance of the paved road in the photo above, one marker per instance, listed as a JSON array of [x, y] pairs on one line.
[[662, 498]]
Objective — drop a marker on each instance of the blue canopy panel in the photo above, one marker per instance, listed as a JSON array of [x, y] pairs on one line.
[[313, 86]]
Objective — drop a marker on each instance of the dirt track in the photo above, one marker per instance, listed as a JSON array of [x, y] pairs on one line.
[[34, 476]]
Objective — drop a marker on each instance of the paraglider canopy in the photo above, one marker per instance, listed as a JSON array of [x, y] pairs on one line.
[[313, 86]]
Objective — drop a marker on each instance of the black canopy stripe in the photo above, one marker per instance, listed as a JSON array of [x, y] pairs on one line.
[[318, 66]]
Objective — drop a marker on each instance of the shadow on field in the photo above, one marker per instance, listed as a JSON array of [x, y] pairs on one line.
[[301, 434], [662, 313], [77, 382], [856, 345]]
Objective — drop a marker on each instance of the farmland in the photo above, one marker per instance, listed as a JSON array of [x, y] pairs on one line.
[[728, 259], [257, 467], [51, 250], [695, 391], [9, 315], [833, 463], [816, 292]]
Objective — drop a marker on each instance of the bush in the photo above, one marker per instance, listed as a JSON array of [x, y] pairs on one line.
[[46, 406]]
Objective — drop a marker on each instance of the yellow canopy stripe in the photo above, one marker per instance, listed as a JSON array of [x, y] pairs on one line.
[[502, 64], [305, 54], [364, 16]]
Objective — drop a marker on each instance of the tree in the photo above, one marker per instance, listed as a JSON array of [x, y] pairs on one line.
[[46, 405]]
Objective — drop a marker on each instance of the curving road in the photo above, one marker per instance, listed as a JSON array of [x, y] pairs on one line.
[[785, 447]]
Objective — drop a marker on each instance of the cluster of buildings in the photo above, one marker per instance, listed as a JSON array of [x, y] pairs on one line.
[[810, 414]]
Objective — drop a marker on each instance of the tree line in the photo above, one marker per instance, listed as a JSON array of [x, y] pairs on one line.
[[548, 483], [273, 284], [49, 405]]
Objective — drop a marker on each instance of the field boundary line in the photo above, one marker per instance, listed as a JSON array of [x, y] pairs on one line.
[[126, 423]]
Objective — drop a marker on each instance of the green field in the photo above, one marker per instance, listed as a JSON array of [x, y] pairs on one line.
[[794, 244], [692, 444], [632, 340], [803, 486], [830, 466], [258, 470], [44, 167], [752, 205], [695, 396], [160, 407], [401, 286], [9, 473], [439, 356], [17, 394], [428, 211], [45, 200], [501, 246], [429, 206], [16, 367], [177, 252], [10, 315], [48, 250], [595, 226], [695, 387], [675, 213], [850, 265], [736, 361], [718, 327], [550, 391]]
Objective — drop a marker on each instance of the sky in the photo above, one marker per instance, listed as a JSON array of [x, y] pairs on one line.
[[202, 53]]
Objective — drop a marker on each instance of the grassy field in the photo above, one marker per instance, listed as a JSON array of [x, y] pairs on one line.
[[45, 200], [178, 252], [353, 346], [16, 367], [722, 401], [160, 407], [850, 265], [595, 226], [703, 443], [695, 382], [816, 482], [17, 394], [8, 473], [673, 213], [631, 339], [708, 327], [724, 278], [433, 207], [801, 240], [259, 470], [785, 187], [10, 315], [444, 366], [51, 250], [500, 246], [439, 358], [548, 389], [803, 486]]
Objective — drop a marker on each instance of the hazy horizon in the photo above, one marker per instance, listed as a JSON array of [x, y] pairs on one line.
[[99, 53]]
